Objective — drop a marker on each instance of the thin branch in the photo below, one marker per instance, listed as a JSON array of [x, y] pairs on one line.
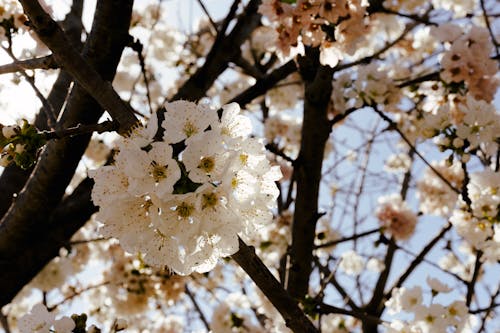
[[378, 53], [488, 25], [77, 293], [394, 126], [247, 67], [86, 241], [490, 307], [229, 17], [346, 239], [47, 107], [46, 62], [212, 22], [419, 258], [265, 83], [434, 76], [365, 317], [138, 48], [71, 60], [294, 317], [197, 307], [420, 19], [106, 126], [475, 275]]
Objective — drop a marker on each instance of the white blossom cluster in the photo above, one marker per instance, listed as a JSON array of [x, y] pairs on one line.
[[479, 223], [435, 196], [185, 210], [434, 317], [468, 59], [396, 217], [11, 17], [40, 320], [373, 85]]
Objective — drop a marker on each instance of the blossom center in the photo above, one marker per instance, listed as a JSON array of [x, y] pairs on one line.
[[189, 128], [207, 164], [158, 172], [209, 200], [184, 210]]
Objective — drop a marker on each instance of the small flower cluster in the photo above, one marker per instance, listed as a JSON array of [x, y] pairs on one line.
[[19, 144], [234, 315], [284, 131], [433, 318], [12, 18], [436, 197], [396, 217], [372, 86], [132, 283], [479, 224], [468, 59], [184, 208], [471, 127], [40, 320], [318, 23]]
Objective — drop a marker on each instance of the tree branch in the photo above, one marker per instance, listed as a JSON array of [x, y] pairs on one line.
[[46, 62], [294, 317], [315, 132], [70, 59], [26, 232]]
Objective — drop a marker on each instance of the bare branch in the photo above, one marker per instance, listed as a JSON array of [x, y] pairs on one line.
[[294, 317], [71, 60], [46, 62]]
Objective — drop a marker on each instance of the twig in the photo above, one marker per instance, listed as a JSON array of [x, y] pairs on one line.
[[265, 83], [197, 307], [46, 62], [138, 48], [421, 19], [294, 317], [346, 239], [47, 107], [86, 241], [202, 5], [77, 293], [394, 126], [106, 126], [418, 259], [365, 317], [375, 55], [488, 25], [72, 61], [472, 283], [491, 306]]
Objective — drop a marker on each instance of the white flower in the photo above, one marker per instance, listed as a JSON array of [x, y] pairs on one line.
[[206, 157], [431, 319], [435, 196], [437, 286], [375, 265], [351, 263], [40, 320], [64, 325], [184, 119], [141, 136], [403, 299], [232, 124], [154, 171]]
